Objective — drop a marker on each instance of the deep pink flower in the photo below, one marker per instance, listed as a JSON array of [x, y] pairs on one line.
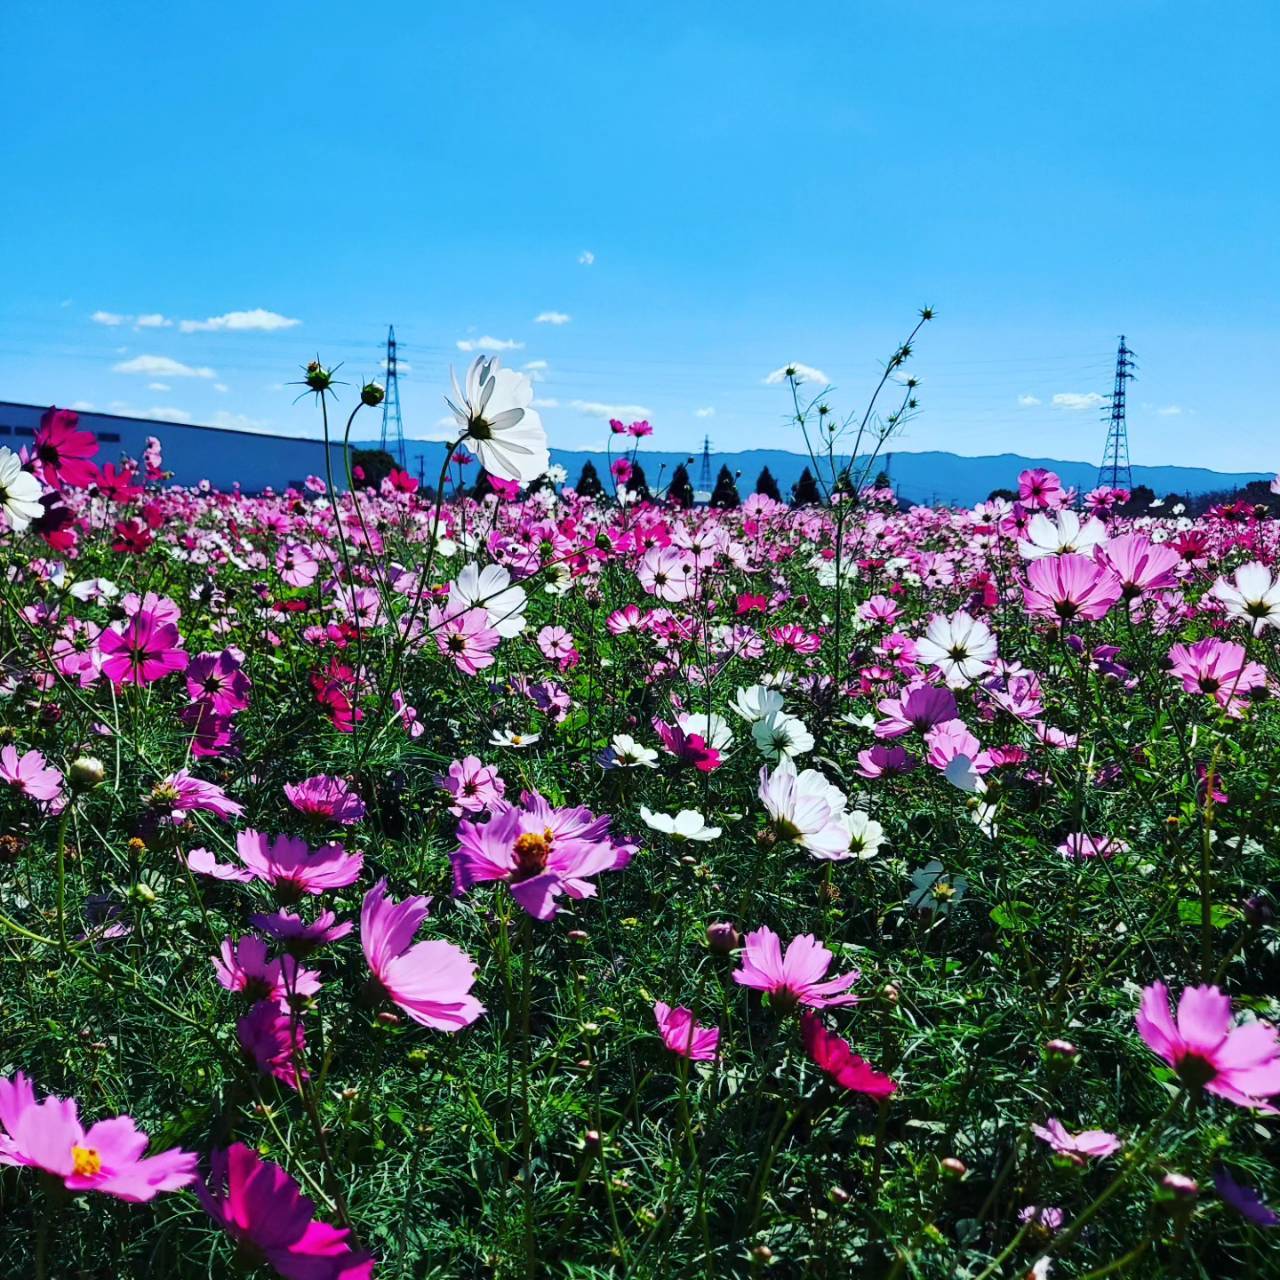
[[682, 1034], [1218, 668], [1141, 565], [640, 429], [29, 774], [108, 1157], [273, 1038], [473, 785], [296, 936], [292, 869], [539, 852], [141, 650], [688, 748], [838, 1060], [796, 977], [1070, 587], [431, 981], [180, 794], [1239, 1063], [919, 709], [326, 797], [884, 762], [218, 678], [1092, 1142], [1039, 488], [466, 638], [265, 1213], [62, 451], [245, 967]]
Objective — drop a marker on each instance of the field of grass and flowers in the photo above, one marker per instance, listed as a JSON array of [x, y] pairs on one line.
[[421, 886]]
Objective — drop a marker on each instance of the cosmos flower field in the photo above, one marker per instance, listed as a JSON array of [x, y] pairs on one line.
[[422, 885]]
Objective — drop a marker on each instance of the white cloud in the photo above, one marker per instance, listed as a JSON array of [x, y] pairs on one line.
[[403, 367], [237, 421], [1028, 402], [489, 344], [162, 367], [550, 402], [222, 387], [1170, 411], [255, 321], [708, 412], [537, 370], [551, 317], [165, 413], [109, 318], [152, 320], [1078, 400], [594, 409], [158, 386], [119, 406], [586, 258], [82, 406], [804, 372]]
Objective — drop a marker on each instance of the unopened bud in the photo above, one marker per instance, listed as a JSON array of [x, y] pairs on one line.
[[1178, 1186], [1256, 911], [142, 895], [1060, 1049], [762, 1253], [577, 935], [838, 1195], [892, 993], [389, 1019], [86, 772], [722, 937], [953, 1168], [372, 393]]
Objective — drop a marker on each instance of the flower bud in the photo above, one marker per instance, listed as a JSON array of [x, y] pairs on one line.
[[953, 1168], [892, 993], [722, 937], [372, 394], [577, 935], [317, 377], [1060, 1049], [86, 772], [838, 1195], [762, 1253], [142, 895], [1257, 911]]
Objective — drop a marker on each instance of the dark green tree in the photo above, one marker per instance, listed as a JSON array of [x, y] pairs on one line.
[[638, 485], [376, 465], [589, 485], [767, 485], [1007, 494], [680, 491], [725, 494], [804, 493]]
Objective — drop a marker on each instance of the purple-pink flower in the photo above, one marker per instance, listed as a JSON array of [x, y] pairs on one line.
[[30, 774], [141, 650], [292, 869], [683, 1035], [326, 798], [796, 978], [1092, 1142]]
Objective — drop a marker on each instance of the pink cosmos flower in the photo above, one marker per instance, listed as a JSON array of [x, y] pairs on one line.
[[1070, 587], [30, 774], [244, 967], [1079, 846], [466, 638], [557, 646], [834, 1056], [62, 451], [539, 852], [1218, 668], [796, 977], [180, 794], [265, 1213], [668, 573], [795, 638], [1141, 565], [141, 650], [431, 981], [1039, 488], [108, 1157], [296, 566], [217, 678], [292, 869], [689, 748], [1239, 1063], [328, 798], [473, 785], [682, 1034], [1092, 1142], [884, 762], [919, 709], [296, 936], [273, 1038]]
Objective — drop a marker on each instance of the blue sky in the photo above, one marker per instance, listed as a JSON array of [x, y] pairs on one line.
[[707, 192]]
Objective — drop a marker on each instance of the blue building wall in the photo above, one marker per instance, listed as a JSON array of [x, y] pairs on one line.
[[192, 453]]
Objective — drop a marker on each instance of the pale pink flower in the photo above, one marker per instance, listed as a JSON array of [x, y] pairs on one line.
[[1092, 1142], [30, 774]]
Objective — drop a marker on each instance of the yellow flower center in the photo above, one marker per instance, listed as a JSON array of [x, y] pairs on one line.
[[87, 1161], [532, 851]]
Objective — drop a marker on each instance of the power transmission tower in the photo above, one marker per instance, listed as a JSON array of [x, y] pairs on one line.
[[1115, 472], [392, 426], [704, 471]]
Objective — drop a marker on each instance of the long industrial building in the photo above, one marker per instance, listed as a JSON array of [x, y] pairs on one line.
[[253, 460]]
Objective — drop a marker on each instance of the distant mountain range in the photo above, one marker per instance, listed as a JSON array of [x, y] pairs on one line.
[[918, 477]]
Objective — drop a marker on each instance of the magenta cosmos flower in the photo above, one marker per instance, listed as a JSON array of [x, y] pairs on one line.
[[325, 797], [682, 1034], [1092, 1142], [466, 638], [796, 978], [245, 968], [539, 852], [62, 451], [431, 981], [219, 680], [834, 1056], [141, 651], [108, 1157], [292, 869], [1239, 1063], [472, 784], [30, 774], [1070, 587], [274, 1040], [180, 795], [265, 1213]]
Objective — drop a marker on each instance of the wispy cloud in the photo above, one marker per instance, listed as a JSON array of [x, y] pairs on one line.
[[595, 409], [166, 413], [403, 367], [221, 387], [552, 317], [1078, 400], [1171, 411], [162, 367], [238, 421], [545, 402], [152, 320], [489, 344], [804, 372], [109, 318], [708, 412], [586, 258], [1028, 402], [158, 386], [82, 406], [255, 321]]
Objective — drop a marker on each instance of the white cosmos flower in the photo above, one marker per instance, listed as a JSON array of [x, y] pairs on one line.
[[94, 589], [489, 588], [509, 738], [1253, 596], [756, 702], [19, 492], [714, 729], [499, 422], [1061, 534], [806, 810], [626, 753], [557, 474], [961, 647], [688, 824], [865, 834], [779, 734]]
